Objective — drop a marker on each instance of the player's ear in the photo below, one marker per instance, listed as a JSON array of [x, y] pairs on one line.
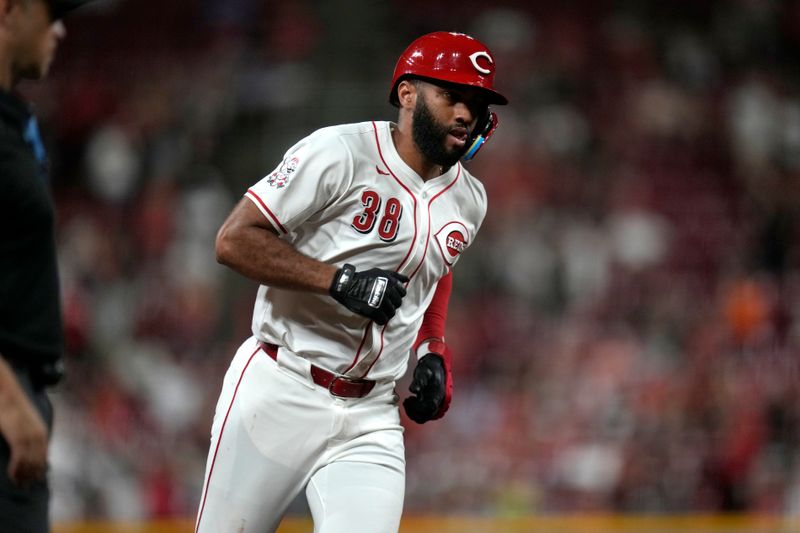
[[407, 93]]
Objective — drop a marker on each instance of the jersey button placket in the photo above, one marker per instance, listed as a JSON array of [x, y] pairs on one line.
[[422, 230], [424, 217]]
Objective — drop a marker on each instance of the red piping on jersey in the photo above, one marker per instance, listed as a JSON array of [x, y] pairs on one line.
[[427, 241], [219, 440], [428, 238], [358, 352], [380, 153], [410, 248], [380, 351], [424, 253], [275, 220]]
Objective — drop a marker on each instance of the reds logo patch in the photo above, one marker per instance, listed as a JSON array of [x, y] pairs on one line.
[[455, 243], [280, 177], [452, 240]]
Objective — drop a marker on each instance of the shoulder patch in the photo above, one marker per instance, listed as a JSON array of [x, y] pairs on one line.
[[280, 177]]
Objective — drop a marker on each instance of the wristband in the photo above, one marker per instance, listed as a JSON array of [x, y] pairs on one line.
[[436, 346]]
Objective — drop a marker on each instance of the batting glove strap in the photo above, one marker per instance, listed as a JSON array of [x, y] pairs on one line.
[[343, 278], [374, 293]]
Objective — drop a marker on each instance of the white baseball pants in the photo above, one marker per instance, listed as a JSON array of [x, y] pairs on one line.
[[275, 432]]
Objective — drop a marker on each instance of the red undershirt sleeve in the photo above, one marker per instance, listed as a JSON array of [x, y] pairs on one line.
[[433, 323]]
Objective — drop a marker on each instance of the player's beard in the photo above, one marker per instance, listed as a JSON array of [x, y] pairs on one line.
[[430, 135]]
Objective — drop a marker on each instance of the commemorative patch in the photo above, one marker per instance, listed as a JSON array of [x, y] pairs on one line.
[[452, 240], [280, 177]]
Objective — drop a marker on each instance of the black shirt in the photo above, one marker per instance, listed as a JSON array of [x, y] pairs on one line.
[[31, 330]]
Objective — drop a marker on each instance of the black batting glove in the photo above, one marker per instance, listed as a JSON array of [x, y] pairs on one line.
[[429, 389], [374, 293]]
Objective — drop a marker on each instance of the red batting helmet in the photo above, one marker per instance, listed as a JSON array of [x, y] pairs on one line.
[[448, 56]]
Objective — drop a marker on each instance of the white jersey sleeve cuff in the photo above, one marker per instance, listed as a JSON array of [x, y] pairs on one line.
[[268, 214]]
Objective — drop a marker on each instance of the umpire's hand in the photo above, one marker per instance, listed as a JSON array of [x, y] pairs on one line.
[[374, 293], [24, 430]]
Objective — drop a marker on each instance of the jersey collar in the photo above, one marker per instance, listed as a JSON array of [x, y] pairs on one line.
[[400, 168]]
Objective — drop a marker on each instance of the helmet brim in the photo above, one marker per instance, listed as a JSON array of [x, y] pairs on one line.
[[493, 97]]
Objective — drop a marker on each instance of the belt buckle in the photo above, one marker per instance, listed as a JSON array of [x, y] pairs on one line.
[[348, 380]]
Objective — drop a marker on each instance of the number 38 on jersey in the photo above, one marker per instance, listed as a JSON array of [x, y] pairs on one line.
[[385, 215]]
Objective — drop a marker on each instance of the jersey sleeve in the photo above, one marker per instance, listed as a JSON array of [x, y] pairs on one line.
[[435, 318], [312, 175]]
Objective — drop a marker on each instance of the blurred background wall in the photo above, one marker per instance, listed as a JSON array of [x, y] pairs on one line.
[[625, 327]]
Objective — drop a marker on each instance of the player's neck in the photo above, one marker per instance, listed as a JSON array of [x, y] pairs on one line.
[[410, 154]]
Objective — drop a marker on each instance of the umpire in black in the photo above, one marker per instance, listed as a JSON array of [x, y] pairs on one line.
[[31, 337]]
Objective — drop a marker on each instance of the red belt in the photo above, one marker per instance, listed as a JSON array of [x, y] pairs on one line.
[[341, 386]]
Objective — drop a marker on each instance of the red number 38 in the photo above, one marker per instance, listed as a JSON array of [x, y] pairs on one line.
[[389, 222]]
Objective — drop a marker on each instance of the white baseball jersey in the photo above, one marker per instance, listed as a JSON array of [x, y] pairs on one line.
[[341, 195], [344, 195]]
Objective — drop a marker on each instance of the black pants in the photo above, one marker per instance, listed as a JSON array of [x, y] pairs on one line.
[[25, 510]]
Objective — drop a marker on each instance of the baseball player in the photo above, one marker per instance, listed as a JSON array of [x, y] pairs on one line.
[[352, 237]]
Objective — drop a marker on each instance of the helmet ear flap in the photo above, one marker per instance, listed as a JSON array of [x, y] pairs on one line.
[[483, 131]]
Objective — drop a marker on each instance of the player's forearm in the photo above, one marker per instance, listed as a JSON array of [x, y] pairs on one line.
[[261, 256]]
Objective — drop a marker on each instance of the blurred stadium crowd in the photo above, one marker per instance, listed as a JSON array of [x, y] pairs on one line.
[[626, 327]]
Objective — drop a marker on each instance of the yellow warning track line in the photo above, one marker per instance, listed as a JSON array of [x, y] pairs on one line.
[[530, 524]]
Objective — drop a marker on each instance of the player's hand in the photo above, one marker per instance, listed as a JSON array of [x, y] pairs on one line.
[[26, 434], [374, 293], [430, 400]]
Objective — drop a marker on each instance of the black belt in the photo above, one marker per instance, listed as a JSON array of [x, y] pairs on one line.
[[341, 386]]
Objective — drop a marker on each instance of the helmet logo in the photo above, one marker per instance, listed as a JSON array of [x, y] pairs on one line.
[[474, 58]]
